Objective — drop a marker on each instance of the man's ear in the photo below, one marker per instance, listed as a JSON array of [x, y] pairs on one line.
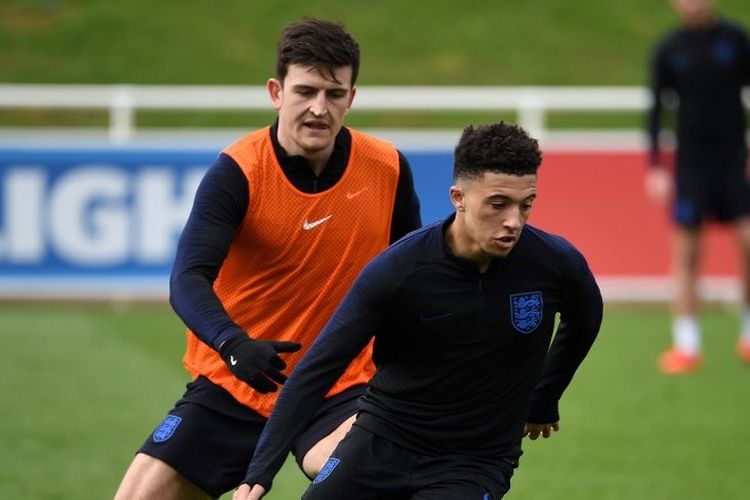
[[351, 99], [457, 198], [275, 88]]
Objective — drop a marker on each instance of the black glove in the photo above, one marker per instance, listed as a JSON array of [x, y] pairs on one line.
[[256, 362]]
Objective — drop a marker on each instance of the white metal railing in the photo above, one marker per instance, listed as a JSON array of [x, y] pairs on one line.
[[529, 103]]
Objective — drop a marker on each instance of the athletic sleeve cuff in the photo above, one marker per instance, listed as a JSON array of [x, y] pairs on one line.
[[263, 480], [543, 412], [226, 335]]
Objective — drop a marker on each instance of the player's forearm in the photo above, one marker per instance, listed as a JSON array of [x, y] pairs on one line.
[[653, 129], [219, 207], [201, 251], [298, 401], [193, 299], [745, 60], [343, 338], [300, 397], [579, 326], [658, 84], [566, 354]]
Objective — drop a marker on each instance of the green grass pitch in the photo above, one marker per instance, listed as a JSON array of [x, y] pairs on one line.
[[82, 385]]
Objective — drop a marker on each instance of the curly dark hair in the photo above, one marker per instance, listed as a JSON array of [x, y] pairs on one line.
[[324, 45], [498, 147]]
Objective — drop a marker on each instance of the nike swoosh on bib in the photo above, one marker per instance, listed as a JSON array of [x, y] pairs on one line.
[[351, 196], [309, 225]]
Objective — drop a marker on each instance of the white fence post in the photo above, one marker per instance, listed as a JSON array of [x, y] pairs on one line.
[[122, 115], [531, 114]]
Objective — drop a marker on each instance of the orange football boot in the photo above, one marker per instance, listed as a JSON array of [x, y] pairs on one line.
[[743, 349], [674, 362]]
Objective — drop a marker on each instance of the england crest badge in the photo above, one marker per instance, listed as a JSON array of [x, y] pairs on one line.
[[526, 311], [167, 428]]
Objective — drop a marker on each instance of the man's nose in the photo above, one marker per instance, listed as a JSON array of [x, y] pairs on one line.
[[319, 106], [514, 220]]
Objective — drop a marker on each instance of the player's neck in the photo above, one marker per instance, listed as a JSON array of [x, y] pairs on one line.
[[464, 247], [701, 23], [317, 159]]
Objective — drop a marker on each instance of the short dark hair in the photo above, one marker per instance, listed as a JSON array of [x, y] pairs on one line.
[[324, 45], [498, 147]]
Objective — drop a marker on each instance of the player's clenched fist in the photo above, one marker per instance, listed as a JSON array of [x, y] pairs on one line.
[[256, 362]]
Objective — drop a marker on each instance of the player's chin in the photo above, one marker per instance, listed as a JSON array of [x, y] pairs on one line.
[[316, 144], [500, 248]]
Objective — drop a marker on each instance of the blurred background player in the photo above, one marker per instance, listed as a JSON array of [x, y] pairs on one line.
[[463, 312], [705, 63], [281, 225]]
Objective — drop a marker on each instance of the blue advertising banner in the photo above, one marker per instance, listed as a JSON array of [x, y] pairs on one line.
[[105, 222]]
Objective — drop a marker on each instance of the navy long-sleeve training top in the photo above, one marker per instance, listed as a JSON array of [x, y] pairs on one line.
[[462, 357], [219, 208], [705, 69]]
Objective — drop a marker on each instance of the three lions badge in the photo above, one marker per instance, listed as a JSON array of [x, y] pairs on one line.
[[166, 428], [526, 311]]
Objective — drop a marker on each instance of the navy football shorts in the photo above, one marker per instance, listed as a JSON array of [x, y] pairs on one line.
[[365, 466], [209, 437], [711, 184]]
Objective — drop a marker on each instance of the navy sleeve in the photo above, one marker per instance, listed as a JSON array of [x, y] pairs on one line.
[[579, 325], [343, 338], [219, 208], [406, 217], [658, 85], [744, 58]]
